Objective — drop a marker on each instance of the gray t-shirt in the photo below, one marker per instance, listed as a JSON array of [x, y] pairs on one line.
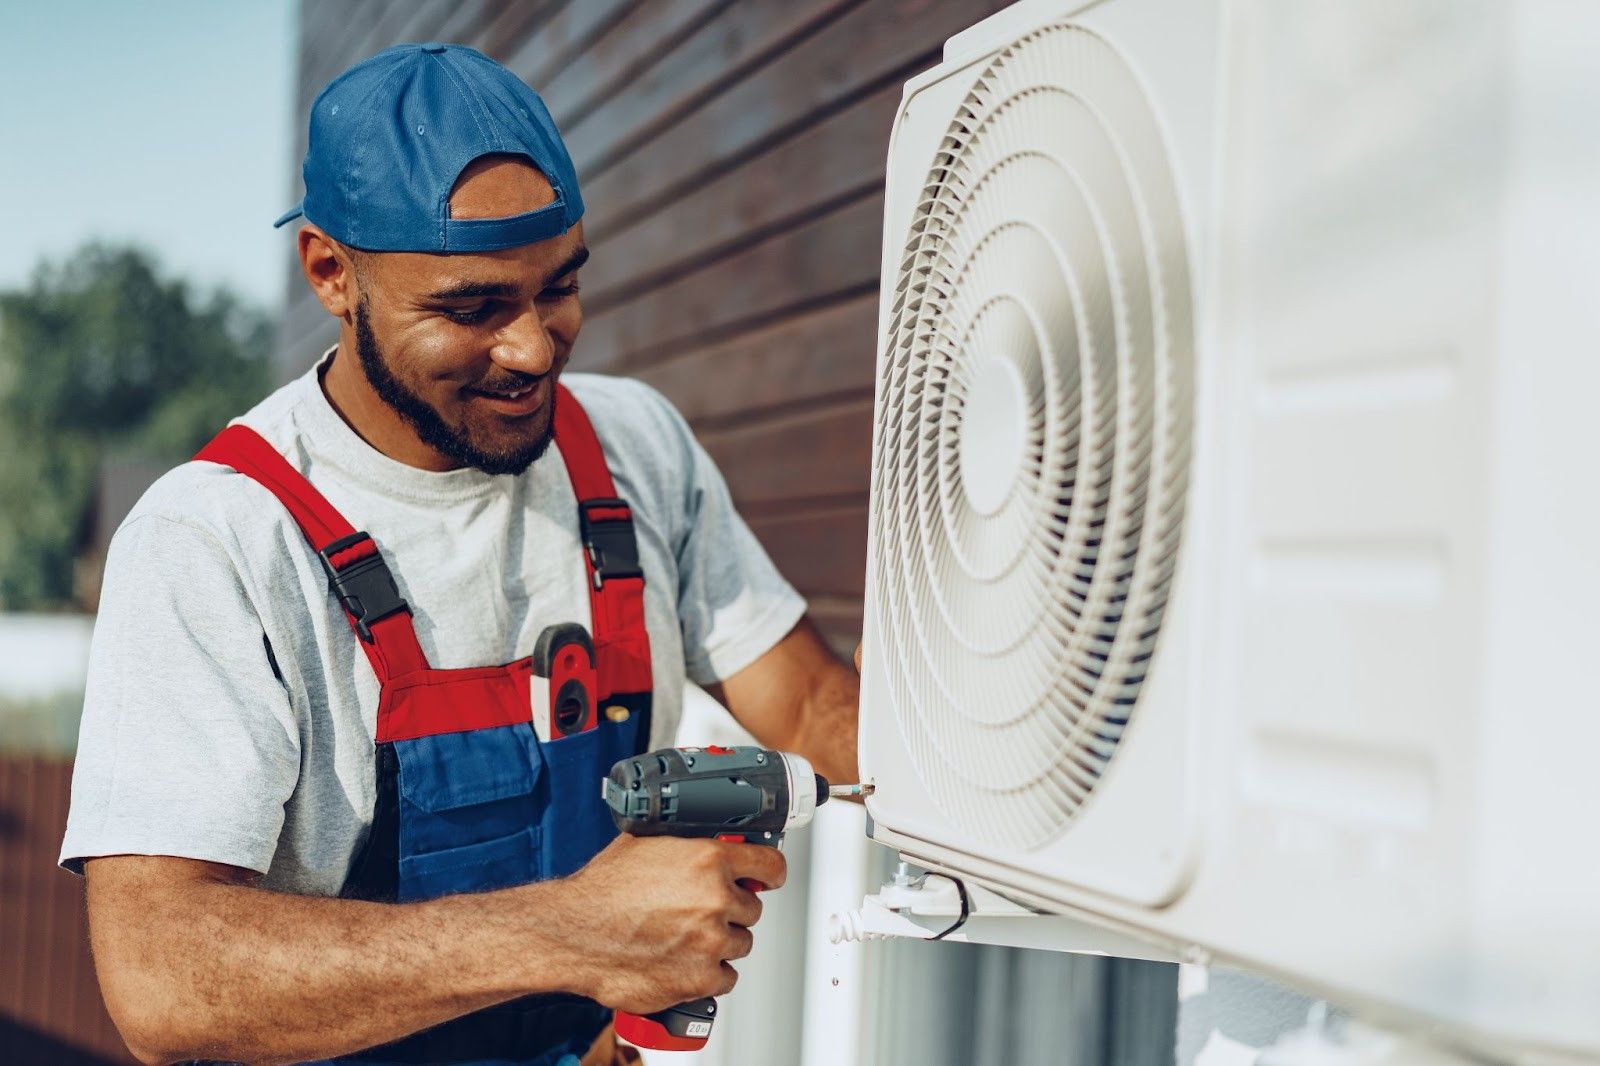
[[192, 746]]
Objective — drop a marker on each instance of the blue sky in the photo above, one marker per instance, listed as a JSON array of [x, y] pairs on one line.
[[167, 122]]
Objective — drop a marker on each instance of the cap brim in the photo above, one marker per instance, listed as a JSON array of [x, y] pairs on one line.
[[290, 215]]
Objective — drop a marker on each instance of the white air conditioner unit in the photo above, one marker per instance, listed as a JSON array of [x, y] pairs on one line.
[[1234, 569]]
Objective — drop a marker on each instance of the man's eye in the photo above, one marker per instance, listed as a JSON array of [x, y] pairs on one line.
[[470, 316], [560, 293]]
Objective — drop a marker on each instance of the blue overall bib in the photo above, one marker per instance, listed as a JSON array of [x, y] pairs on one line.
[[469, 798]]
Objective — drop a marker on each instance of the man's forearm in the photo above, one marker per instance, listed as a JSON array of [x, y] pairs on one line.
[[799, 697], [225, 970], [827, 728]]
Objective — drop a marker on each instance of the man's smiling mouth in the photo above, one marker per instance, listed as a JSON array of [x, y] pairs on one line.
[[518, 401], [514, 394], [508, 392]]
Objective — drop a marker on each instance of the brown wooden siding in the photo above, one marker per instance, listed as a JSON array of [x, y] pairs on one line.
[[731, 154], [47, 982]]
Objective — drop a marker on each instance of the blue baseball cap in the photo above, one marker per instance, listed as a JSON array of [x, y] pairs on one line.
[[390, 136]]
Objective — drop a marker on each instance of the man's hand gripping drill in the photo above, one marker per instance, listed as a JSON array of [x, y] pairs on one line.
[[739, 797]]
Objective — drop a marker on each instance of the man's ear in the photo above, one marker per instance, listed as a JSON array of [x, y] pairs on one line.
[[329, 271]]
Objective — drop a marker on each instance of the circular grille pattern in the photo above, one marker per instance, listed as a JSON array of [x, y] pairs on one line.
[[1031, 453]]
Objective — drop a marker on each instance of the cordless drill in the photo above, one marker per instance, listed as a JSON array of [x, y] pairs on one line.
[[746, 794]]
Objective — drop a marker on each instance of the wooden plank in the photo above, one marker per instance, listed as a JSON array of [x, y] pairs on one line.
[[819, 552], [427, 16], [324, 27], [298, 353], [304, 330], [842, 159], [865, 50], [318, 22], [830, 258], [302, 311], [742, 39], [353, 30], [298, 329], [649, 32], [563, 37], [469, 19], [305, 315], [295, 287], [346, 33], [336, 35], [815, 454], [50, 806], [823, 355], [47, 982], [13, 820], [329, 31], [384, 26], [31, 957], [482, 30], [514, 24], [839, 619]]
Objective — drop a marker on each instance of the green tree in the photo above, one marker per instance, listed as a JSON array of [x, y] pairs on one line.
[[99, 356]]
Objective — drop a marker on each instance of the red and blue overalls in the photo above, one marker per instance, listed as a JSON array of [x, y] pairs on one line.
[[469, 798]]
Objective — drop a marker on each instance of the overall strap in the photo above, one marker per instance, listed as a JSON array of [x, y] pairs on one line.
[[611, 555], [357, 574]]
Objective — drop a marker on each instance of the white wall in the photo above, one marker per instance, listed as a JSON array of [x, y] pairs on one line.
[[42, 655]]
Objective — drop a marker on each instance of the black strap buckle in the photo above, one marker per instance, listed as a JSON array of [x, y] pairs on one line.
[[612, 547], [364, 586]]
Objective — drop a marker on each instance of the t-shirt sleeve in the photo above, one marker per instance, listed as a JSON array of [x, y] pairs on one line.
[[733, 605], [188, 745]]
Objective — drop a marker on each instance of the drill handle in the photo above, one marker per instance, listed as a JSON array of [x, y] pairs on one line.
[[750, 884], [687, 1026]]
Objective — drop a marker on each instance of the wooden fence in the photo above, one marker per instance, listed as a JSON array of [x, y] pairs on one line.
[[50, 1007]]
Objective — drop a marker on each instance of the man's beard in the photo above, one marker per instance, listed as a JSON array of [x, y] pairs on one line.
[[426, 422]]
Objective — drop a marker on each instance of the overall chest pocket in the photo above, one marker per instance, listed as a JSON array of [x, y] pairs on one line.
[[470, 811], [576, 823]]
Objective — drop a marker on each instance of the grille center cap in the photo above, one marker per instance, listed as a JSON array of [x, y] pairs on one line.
[[993, 435]]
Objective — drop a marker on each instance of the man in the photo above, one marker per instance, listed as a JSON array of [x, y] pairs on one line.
[[312, 812]]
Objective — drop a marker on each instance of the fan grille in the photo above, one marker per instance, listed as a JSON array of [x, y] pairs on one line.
[[1023, 556]]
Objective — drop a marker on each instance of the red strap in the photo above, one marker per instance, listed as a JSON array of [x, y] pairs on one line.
[[616, 604], [393, 650], [580, 450], [621, 641]]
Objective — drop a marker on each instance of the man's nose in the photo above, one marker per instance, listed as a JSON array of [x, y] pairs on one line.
[[525, 344]]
